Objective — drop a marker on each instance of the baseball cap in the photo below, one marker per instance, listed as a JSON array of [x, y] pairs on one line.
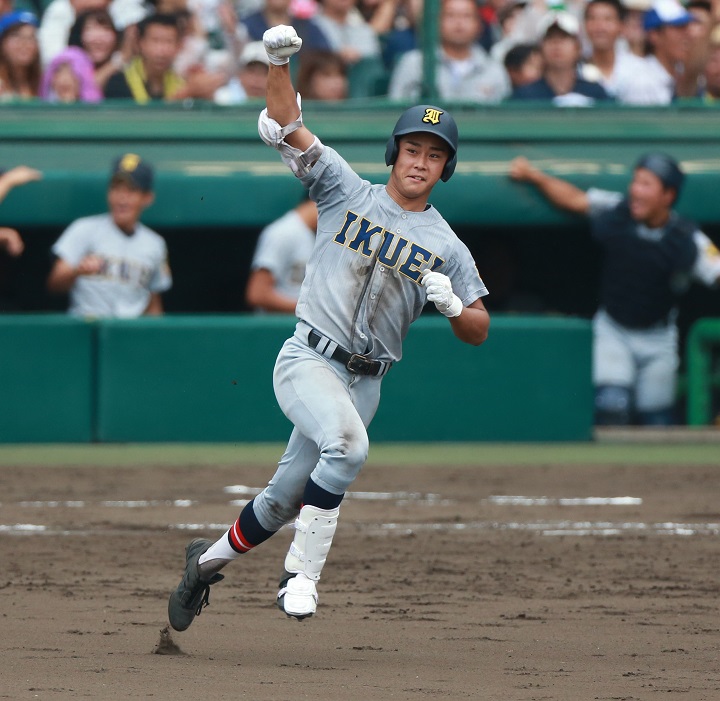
[[666, 12], [664, 167], [561, 19], [254, 52], [10, 19], [132, 169]]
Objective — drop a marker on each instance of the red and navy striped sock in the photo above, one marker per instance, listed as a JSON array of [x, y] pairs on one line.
[[247, 532]]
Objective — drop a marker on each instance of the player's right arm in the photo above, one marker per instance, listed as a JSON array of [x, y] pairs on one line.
[[558, 192], [10, 241], [63, 275], [281, 42]]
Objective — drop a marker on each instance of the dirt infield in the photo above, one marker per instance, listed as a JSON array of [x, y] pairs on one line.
[[500, 583]]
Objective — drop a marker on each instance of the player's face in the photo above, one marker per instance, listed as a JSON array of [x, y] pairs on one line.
[[127, 204], [419, 165], [649, 199]]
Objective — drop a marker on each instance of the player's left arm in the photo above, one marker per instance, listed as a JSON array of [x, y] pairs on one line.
[[473, 323], [470, 324]]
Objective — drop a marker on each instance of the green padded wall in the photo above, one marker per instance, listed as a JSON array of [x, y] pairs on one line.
[[189, 379], [530, 381], [46, 379], [210, 379]]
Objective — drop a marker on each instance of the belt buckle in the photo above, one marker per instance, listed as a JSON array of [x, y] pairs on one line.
[[361, 365]]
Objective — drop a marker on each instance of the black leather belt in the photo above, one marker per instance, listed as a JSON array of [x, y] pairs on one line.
[[359, 364]]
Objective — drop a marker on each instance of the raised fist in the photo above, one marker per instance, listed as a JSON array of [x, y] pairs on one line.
[[281, 42]]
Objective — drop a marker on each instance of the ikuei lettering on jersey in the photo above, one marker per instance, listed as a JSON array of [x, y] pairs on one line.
[[409, 258]]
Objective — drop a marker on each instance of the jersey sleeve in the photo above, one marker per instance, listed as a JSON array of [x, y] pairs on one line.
[[707, 263], [465, 277], [74, 243], [161, 279], [331, 178], [601, 201]]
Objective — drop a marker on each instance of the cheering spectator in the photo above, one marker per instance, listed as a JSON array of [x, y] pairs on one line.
[[560, 82], [150, 75], [614, 69], [464, 70], [277, 12], [250, 82], [57, 20], [95, 33], [690, 79], [322, 75], [347, 32], [19, 56], [523, 64], [666, 26], [70, 78], [504, 33], [633, 32]]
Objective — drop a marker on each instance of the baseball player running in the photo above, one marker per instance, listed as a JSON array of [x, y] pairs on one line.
[[381, 252], [651, 254]]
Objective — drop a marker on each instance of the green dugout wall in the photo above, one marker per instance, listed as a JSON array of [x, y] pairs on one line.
[[210, 379], [213, 170]]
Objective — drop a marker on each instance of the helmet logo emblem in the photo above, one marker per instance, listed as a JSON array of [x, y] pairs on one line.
[[129, 162], [432, 116]]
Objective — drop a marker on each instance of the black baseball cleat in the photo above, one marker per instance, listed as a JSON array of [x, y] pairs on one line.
[[193, 592]]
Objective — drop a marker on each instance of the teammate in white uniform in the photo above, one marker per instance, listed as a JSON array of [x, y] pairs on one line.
[[111, 264], [381, 252], [281, 255], [650, 256]]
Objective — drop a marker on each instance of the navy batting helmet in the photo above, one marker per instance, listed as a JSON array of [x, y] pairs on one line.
[[431, 120], [665, 168]]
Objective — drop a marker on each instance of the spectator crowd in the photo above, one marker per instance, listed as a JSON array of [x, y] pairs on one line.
[[637, 52]]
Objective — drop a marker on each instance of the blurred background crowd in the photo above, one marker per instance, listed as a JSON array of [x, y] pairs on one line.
[[575, 52]]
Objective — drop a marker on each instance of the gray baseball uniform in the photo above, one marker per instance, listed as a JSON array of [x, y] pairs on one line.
[[361, 293], [134, 267], [283, 248]]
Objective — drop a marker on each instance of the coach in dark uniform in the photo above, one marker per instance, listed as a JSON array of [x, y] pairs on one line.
[[651, 254]]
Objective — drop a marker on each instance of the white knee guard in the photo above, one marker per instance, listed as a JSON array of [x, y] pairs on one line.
[[314, 531]]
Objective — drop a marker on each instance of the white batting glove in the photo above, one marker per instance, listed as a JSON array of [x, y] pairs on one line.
[[281, 42], [439, 291]]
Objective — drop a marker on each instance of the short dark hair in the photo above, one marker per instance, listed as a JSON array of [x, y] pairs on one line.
[[615, 4], [102, 17], [517, 56], [162, 19]]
